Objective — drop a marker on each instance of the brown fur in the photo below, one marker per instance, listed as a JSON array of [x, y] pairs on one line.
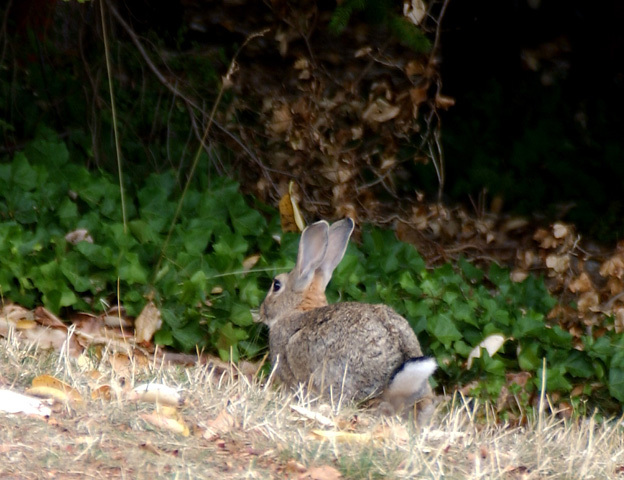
[[349, 349]]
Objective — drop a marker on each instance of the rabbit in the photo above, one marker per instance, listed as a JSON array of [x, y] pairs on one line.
[[360, 351]]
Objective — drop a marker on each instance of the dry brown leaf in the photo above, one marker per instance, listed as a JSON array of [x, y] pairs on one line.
[[443, 101], [613, 267], [587, 301], [53, 338], [559, 263], [560, 230], [619, 319], [12, 313], [103, 391], [282, 120], [380, 111], [418, 95], [116, 321], [147, 323], [545, 239], [414, 67], [518, 276], [47, 318], [581, 284], [223, 423], [324, 472], [615, 286]]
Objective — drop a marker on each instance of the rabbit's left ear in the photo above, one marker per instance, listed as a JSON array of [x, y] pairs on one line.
[[312, 248], [339, 234]]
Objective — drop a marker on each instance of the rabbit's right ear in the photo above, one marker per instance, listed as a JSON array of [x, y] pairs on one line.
[[312, 248], [339, 234]]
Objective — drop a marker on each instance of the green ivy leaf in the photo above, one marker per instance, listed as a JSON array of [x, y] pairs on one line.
[[443, 328]]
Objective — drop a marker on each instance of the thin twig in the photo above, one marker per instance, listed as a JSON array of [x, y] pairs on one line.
[[114, 116], [177, 92]]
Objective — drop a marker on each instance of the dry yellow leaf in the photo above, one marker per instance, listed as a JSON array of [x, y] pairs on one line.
[[103, 392], [290, 215], [340, 436], [175, 425], [47, 386], [250, 262], [25, 324]]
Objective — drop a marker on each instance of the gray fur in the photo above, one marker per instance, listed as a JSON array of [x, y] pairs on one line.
[[349, 349]]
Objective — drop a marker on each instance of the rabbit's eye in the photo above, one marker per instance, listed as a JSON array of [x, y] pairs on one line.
[[277, 285]]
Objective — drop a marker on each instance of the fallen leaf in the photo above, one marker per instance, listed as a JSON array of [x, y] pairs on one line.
[[13, 402], [613, 267], [581, 284], [337, 435], [317, 417], [560, 230], [414, 10], [443, 101], [324, 472], [250, 262], [146, 324], [587, 300], [173, 424], [282, 119], [518, 276], [47, 386], [223, 423], [156, 393], [559, 263], [491, 343], [79, 235], [380, 111], [290, 214]]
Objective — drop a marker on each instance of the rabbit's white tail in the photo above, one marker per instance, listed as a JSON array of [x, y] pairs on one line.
[[409, 381]]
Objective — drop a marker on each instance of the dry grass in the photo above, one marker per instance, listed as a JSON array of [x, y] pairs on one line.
[[240, 428]]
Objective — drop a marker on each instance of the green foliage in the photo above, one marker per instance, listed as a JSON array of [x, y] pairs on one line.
[[205, 293], [452, 309], [201, 286], [380, 12]]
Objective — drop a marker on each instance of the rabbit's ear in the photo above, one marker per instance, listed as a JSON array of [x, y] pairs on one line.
[[312, 248], [339, 234]]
